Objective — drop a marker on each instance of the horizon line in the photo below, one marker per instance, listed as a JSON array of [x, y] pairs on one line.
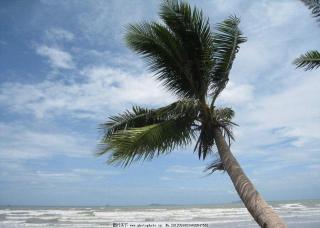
[[146, 205]]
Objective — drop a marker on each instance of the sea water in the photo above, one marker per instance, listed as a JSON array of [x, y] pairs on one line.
[[304, 214]]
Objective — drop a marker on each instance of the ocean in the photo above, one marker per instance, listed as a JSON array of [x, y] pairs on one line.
[[304, 214]]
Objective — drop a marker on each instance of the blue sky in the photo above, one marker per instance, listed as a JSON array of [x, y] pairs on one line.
[[64, 68]]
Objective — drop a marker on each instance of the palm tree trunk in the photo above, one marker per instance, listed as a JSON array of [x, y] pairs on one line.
[[264, 215]]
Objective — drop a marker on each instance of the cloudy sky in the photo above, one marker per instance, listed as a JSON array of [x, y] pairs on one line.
[[64, 68]]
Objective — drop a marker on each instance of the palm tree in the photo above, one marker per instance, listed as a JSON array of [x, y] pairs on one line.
[[193, 63], [311, 59]]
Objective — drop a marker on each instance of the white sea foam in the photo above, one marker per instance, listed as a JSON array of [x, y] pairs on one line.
[[226, 216], [292, 206]]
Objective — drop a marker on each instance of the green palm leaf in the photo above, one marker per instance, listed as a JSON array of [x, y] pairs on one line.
[[219, 117], [179, 52], [223, 117], [226, 44], [308, 61], [193, 31], [143, 133], [149, 141], [215, 165], [140, 117], [163, 54], [314, 6]]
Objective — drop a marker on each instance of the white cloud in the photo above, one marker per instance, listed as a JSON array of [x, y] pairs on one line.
[[102, 91], [165, 178], [294, 109], [21, 142], [57, 57], [109, 58], [56, 34], [103, 22], [236, 94], [275, 13], [282, 127], [22, 174], [180, 169]]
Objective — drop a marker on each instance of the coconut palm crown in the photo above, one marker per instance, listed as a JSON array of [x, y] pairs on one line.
[[192, 62]]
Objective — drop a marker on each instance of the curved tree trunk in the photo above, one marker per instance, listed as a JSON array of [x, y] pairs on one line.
[[264, 215]]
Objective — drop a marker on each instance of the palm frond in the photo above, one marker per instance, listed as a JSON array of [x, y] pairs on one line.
[[145, 133], [223, 118], [150, 141], [314, 6], [308, 61], [219, 117], [224, 114], [138, 117], [162, 52], [179, 52], [205, 141], [215, 165], [226, 44], [193, 31]]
